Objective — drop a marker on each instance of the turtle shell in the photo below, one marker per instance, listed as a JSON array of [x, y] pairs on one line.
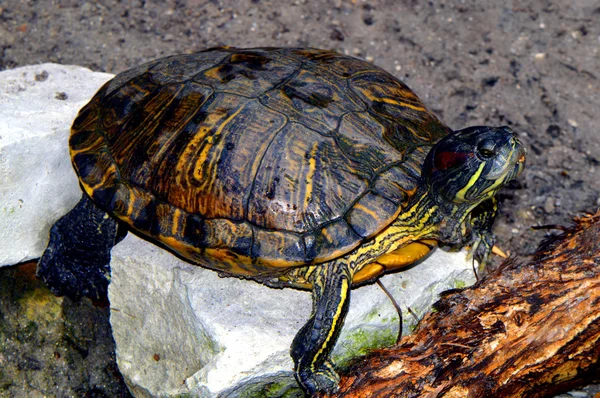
[[251, 161]]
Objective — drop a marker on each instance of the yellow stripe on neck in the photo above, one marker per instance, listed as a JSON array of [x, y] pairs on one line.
[[461, 194]]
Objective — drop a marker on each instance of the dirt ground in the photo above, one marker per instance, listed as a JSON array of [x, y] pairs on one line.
[[531, 65]]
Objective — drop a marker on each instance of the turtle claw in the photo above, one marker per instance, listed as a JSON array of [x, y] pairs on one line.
[[499, 252], [481, 247], [325, 380]]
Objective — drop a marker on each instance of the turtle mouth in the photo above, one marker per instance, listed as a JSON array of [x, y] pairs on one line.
[[513, 167], [520, 156], [510, 164]]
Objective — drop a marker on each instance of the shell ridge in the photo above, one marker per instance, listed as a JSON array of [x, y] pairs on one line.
[[193, 77]]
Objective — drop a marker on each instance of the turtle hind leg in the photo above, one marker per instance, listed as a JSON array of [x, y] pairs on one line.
[[76, 262], [313, 343]]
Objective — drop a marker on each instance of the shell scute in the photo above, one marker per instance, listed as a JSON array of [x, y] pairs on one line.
[[396, 185], [363, 139], [223, 233], [369, 213], [121, 104], [315, 101], [122, 79], [279, 248], [335, 239], [184, 67], [390, 99], [96, 169], [249, 73]]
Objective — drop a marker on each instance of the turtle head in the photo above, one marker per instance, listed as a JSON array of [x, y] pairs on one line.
[[471, 165]]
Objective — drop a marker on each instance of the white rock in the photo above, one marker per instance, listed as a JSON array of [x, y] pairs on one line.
[[217, 333], [179, 329], [37, 182]]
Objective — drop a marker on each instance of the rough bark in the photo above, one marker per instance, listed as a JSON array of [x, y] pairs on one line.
[[526, 330]]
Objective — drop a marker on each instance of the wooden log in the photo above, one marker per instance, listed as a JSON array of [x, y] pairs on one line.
[[526, 330]]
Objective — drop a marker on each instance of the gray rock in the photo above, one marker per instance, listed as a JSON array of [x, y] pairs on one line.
[[37, 183]]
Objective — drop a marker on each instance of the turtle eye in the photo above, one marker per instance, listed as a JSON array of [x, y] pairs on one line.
[[487, 149]]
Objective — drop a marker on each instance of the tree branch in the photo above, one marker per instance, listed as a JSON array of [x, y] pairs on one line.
[[526, 330]]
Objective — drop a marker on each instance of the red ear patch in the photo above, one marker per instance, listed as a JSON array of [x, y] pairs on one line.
[[448, 160]]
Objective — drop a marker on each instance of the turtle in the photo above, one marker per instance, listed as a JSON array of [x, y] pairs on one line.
[[293, 167]]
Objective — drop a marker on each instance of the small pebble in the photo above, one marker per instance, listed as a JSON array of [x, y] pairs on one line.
[[41, 76], [549, 205]]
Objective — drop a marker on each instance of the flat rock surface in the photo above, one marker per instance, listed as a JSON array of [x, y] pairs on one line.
[[173, 321], [37, 183], [532, 65]]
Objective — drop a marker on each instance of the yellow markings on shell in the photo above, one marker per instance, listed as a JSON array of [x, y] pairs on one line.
[[461, 194], [130, 202], [365, 209], [175, 225], [203, 158], [235, 263], [108, 173], [312, 167], [392, 101], [92, 147], [175, 244], [74, 152], [214, 73], [188, 153], [88, 190], [281, 262]]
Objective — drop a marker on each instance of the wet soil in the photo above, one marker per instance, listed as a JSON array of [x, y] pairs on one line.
[[531, 65]]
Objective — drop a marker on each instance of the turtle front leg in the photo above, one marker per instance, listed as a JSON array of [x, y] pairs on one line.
[[76, 261], [313, 343], [482, 238]]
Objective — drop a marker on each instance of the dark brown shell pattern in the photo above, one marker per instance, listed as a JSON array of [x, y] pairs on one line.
[[253, 161]]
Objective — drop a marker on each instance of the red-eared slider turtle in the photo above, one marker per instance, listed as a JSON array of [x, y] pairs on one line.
[[296, 168]]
